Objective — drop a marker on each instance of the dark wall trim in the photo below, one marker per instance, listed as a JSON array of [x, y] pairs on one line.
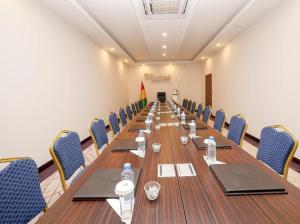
[[296, 160]]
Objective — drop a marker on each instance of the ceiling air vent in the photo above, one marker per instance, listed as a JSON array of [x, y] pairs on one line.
[[165, 8]]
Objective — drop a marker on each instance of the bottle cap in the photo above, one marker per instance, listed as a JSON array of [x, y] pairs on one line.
[[124, 187], [211, 137], [127, 166]]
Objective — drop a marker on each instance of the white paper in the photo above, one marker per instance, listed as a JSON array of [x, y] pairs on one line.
[[170, 124], [209, 163], [115, 204], [166, 170], [163, 124], [135, 152], [185, 170], [195, 136]]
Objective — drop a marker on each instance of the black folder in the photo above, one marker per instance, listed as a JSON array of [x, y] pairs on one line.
[[190, 117], [141, 119], [137, 127], [124, 145], [245, 179], [101, 185], [199, 126], [220, 143]]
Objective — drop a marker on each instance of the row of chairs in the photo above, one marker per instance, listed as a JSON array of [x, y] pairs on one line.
[[21, 198], [277, 144]]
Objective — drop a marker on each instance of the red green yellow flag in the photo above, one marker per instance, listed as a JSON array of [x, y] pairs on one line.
[[143, 96]]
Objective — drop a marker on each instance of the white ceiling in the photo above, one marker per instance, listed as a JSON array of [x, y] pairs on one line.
[[121, 24]]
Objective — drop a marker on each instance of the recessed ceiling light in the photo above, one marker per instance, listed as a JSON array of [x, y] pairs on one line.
[[126, 60], [112, 49], [143, 64], [164, 40], [203, 58], [164, 34], [164, 54], [164, 46], [218, 45]]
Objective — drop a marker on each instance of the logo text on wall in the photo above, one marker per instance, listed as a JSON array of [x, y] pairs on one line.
[[160, 77]]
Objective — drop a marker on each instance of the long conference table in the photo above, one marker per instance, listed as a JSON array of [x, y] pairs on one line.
[[197, 199]]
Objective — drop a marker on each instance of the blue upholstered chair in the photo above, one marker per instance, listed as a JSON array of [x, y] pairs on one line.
[[122, 116], [137, 107], [133, 109], [199, 110], [183, 102], [114, 123], [219, 120], [129, 112], [189, 105], [67, 155], [21, 198], [140, 105], [206, 114], [237, 129], [277, 148], [193, 107], [98, 133]]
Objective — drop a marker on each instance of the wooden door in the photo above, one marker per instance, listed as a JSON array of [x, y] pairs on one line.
[[208, 90]]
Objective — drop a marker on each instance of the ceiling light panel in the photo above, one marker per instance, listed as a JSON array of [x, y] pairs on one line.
[[165, 8]]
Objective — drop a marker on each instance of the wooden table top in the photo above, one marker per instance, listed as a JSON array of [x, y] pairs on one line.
[[197, 199]]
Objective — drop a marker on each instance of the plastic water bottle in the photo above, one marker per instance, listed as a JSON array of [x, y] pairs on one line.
[[142, 144], [127, 174], [182, 118], [211, 150], [178, 111], [192, 129]]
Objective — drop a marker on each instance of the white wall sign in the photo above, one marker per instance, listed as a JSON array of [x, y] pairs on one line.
[[160, 77]]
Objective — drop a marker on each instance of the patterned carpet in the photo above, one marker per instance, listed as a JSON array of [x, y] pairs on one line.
[[52, 189]]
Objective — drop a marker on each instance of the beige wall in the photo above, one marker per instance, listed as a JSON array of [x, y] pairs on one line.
[[258, 73], [186, 77], [52, 77]]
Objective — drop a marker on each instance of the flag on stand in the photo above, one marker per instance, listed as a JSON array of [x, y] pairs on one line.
[[143, 96]]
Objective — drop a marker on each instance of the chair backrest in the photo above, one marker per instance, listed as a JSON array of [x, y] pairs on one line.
[[219, 120], [98, 133], [21, 198], [114, 123], [123, 117], [237, 129], [129, 113], [193, 107], [137, 107], [189, 105], [183, 102], [133, 109], [206, 114], [140, 105], [277, 148], [67, 154], [199, 110]]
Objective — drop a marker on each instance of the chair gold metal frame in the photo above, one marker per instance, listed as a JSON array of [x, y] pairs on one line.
[[56, 161], [93, 136]]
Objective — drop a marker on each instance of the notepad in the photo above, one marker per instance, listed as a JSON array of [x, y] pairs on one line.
[[166, 170], [185, 170]]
